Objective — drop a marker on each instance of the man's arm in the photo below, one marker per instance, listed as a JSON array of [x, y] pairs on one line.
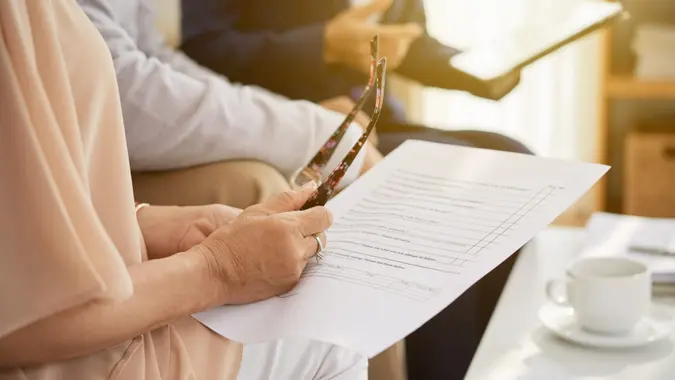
[[273, 60], [153, 43], [428, 59], [175, 120]]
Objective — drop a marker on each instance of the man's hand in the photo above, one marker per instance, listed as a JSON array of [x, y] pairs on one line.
[[172, 229], [344, 105], [502, 86], [347, 37], [373, 157]]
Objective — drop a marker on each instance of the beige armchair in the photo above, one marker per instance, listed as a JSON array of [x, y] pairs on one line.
[[389, 365]]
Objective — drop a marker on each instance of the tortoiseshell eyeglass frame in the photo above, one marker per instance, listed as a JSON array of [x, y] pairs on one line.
[[312, 172], [326, 188]]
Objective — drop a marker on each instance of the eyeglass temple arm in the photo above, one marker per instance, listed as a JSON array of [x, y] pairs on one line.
[[325, 191], [321, 158]]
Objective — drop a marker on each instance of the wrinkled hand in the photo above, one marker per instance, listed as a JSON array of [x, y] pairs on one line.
[[262, 252], [347, 37], [344, 105], [171, 229]]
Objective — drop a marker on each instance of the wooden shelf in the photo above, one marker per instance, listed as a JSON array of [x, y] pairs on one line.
[[628, 87]]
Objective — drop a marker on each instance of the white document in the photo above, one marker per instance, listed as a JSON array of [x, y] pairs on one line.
[[614, 235], [408, 238]]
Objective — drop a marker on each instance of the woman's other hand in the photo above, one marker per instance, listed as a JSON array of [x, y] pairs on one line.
[[263, 251], [171, 229]]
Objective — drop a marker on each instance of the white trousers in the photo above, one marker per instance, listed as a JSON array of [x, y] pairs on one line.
[[301, 360]]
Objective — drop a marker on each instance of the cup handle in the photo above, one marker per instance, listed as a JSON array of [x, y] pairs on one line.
[[555, 291]]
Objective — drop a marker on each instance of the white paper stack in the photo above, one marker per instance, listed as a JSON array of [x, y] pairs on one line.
[[650, 240], [654, 45]]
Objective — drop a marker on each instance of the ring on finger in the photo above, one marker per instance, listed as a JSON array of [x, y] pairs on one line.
[[319, 252]]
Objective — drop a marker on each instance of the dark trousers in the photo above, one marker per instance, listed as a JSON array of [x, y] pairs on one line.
[[444, 346]]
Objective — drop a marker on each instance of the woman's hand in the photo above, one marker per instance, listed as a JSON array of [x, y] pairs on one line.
[[257, 255], [263, 251], [171, 229]]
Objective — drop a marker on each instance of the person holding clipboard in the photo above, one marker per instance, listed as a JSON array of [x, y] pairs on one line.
[[319, 50]]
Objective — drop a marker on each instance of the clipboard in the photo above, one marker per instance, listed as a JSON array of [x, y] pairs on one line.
[[517, 50]]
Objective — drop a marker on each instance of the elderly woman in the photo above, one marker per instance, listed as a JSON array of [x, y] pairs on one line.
[[87, 290]]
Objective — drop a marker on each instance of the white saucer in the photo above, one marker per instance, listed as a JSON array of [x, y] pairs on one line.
[[562, 321]]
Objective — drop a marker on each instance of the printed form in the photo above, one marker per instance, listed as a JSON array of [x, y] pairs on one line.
[[409, 238]]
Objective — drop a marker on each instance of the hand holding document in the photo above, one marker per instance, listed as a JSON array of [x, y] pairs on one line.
[[409, 238]]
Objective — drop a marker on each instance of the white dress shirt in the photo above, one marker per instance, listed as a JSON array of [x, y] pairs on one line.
[[178, 114]]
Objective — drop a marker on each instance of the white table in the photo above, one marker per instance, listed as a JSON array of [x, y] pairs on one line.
[[517, 346]]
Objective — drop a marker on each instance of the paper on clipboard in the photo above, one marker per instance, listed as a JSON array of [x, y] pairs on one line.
[[532, 42]]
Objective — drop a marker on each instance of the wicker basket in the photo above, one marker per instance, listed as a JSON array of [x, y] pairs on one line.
[[649, 180]]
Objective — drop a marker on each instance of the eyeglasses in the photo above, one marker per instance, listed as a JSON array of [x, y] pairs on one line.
[[312, 172]]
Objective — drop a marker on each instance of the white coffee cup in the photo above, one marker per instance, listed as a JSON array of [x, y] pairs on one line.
[[609, 295]]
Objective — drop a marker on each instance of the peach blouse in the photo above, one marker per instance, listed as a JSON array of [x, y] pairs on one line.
[[67, 222]]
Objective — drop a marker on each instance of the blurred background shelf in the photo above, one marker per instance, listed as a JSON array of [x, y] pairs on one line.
[[630, 87], [636, 118]]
